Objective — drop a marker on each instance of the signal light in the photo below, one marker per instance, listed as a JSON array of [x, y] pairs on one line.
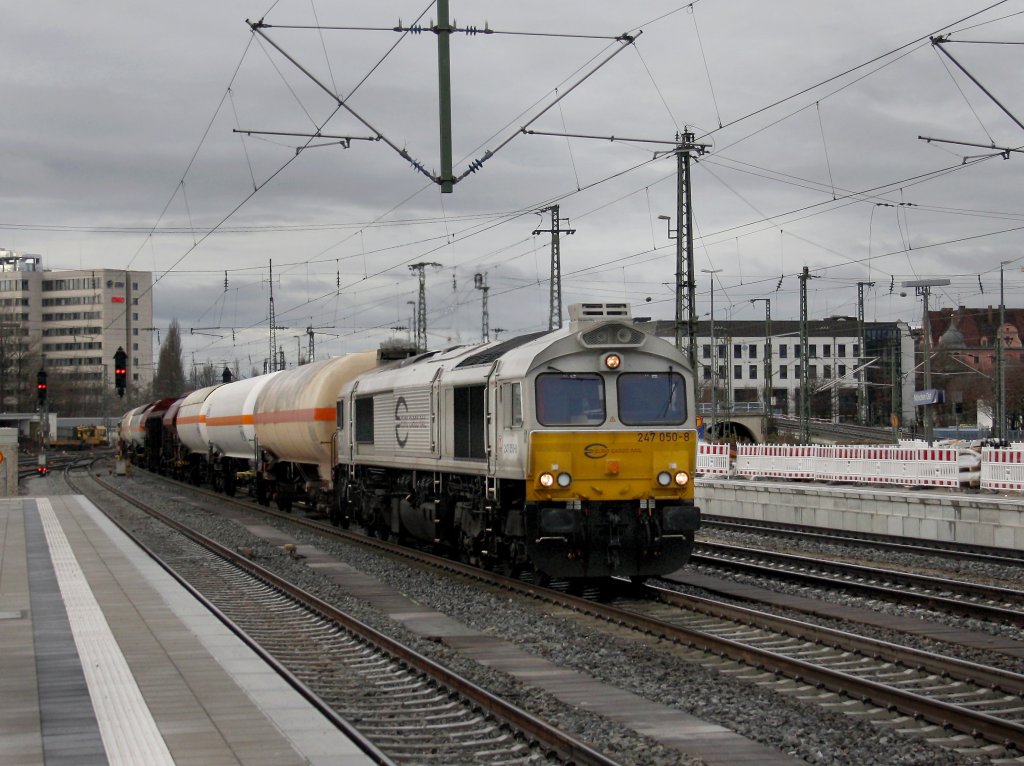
[[41, 387], [120, 370]]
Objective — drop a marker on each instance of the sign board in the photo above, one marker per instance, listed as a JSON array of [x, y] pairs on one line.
[[929, 396]]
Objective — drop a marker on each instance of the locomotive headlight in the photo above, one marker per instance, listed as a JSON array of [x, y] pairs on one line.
[[564, 480], [664, 478], [682, 478], [546, 479], [613, 361]]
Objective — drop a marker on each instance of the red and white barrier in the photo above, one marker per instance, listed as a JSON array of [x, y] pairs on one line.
[[776, 461], [712, 459], [1003, 469], [912, 465]]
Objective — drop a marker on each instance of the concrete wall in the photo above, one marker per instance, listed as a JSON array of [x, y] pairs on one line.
[[995, 520], [9, 466]]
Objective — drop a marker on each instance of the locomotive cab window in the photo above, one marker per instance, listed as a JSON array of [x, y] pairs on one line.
[[364, 420], [340, 416], [652, 398], [565, 399]]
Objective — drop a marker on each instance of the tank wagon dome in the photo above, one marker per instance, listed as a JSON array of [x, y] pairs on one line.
[[295, 414]]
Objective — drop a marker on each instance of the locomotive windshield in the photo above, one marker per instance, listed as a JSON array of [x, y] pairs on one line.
[[565, 399], [652, 398]]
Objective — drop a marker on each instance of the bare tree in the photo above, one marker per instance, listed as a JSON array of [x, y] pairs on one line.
[[169, 380]]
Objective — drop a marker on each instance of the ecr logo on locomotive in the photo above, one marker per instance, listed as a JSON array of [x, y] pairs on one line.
[[596, 451]]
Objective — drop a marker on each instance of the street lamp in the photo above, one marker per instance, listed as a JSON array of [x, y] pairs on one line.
[[923, 287], [714, 351]]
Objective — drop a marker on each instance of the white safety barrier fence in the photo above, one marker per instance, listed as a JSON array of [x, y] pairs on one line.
[[1003, 469], [776, 461], [712, 459], [911, 464]]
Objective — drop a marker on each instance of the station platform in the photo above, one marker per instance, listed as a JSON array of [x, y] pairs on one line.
[[106, 659]]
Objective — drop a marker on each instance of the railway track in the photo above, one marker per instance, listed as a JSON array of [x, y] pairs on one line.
[[402, 705], [973, 600], [965, 704], [934, 548]]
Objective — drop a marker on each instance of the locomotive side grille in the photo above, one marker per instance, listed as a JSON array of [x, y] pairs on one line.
[[612, 335]]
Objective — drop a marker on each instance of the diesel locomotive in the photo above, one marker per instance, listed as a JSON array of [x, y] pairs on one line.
[[571, 451]]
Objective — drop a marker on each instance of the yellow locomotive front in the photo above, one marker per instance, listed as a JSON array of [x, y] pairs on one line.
[[612, 455]]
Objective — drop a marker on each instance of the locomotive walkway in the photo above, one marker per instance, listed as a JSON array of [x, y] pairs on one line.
[[107, 659]]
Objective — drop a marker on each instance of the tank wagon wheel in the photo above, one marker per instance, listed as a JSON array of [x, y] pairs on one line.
[[230, 482], [262, 495]]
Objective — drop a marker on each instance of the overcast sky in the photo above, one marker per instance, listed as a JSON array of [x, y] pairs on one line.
[[118, 150]]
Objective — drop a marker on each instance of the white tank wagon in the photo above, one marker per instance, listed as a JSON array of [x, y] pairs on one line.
[[191, 420], [295, 421], [130, 431], [572, 450], [231, 430], [190, 426]]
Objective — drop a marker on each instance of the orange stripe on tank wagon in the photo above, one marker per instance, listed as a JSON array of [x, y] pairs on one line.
[[230, 420], [311, 414]]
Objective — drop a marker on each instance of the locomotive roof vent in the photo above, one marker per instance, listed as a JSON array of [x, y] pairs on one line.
[[393, 349], [582, 313]]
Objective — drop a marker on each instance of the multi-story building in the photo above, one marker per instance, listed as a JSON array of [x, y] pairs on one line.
[[77, 319], [845, 382]]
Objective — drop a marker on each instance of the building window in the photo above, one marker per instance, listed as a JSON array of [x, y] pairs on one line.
[[752, 351], [135, 347], [135, 316], [826, 351], [707, 373], [783, 372], [135, 301], [721, 372], [737, 351], [828, 370], [796, 370], [841, 349], [842, 370], [753, 372], [721, 351], [856, 349], [706, 351], [796, 350], [135, 331], [737, 372], [813, 351], [783, 351], [135, 285]]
